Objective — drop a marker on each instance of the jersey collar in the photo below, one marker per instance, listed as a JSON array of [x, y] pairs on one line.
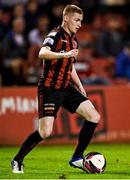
[[70, 36]]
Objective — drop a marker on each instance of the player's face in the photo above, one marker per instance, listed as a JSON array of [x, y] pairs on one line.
[[74, 22]]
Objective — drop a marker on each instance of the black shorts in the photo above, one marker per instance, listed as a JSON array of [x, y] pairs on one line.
[[50, 100]]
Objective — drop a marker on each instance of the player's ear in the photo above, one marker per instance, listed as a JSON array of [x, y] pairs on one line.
[[66, 18]]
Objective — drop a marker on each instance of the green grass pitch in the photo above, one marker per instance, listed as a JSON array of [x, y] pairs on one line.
[[51, 162]]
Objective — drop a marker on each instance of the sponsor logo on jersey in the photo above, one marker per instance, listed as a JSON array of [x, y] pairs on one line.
[[65, 41]]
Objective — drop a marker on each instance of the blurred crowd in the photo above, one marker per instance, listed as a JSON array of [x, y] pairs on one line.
[[104, 40]]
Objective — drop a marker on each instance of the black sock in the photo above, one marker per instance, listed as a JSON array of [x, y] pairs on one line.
[[28, 145], [85, 136]]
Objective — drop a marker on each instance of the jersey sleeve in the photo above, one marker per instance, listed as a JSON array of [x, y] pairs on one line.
[[50, 40]]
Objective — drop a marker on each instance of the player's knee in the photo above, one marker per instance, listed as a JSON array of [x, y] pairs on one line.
[[95, 118], [45, 133]]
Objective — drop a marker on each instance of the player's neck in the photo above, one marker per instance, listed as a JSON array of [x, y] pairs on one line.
[[66, 28]]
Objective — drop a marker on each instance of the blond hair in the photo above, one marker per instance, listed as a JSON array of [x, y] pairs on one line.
[[72, 9]]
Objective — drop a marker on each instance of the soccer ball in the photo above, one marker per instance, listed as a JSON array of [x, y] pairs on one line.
[[94, 163]]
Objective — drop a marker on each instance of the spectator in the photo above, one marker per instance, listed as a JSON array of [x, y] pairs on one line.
[[84, 64], [31, 14], [110, 41], [97, 25], [36, 37], [18, 10], [14, 53], [5, 21], [56, 15], [122, 65]]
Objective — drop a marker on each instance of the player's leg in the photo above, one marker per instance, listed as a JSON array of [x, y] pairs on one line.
[[48, 105], [76, 102], [45, 106], [91, 116], [45, 129]]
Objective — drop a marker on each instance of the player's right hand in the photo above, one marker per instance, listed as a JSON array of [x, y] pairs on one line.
[[71, 53]]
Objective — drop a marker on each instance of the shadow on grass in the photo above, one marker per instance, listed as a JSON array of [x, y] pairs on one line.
[[117, 172]]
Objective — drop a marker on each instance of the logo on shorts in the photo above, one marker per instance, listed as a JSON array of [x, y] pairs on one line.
[[49, 107]]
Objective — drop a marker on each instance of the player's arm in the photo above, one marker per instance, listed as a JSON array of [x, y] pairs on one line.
[[77, 81], [46, 53]]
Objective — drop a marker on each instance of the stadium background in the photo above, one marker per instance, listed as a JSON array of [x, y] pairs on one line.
[[23, 26]]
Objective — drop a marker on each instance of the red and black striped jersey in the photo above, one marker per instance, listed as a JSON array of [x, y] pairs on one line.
[[56, 73]]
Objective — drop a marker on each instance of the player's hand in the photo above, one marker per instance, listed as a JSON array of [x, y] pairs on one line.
[[72, 53]]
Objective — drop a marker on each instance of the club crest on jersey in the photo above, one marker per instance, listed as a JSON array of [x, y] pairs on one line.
[[49, 41]]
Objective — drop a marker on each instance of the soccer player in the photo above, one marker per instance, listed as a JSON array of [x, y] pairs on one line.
[[55, 89]]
